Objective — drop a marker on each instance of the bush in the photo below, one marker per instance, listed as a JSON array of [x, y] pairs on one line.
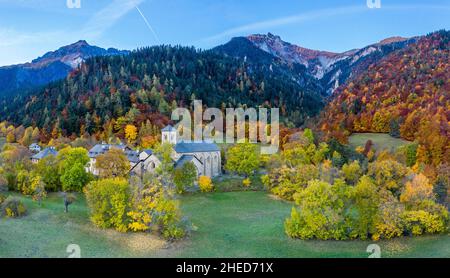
[[2, 199], [389, 222], [420, 222], [285, 181], [109, 201], [184, 176], [321, 213], [75, 178], [205, 184], [153, 210], [246, 182], [366, 202], [243, 159], [352, 172], [13, 208]]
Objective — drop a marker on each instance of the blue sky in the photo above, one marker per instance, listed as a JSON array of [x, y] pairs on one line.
[[29, 28]]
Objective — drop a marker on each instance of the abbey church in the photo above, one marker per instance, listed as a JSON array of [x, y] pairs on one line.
[[204, 155]]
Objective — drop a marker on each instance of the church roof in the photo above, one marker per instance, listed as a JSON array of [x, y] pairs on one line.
[[185, 159], [169, 128], [148, 151], [44, 153], [195, 147]]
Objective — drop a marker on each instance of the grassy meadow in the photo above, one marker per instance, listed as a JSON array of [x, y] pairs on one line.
[[380, 141], [232, 224]]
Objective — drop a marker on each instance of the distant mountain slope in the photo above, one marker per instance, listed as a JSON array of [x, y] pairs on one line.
[[330, 69], [50, 67], [406, 93], [253, 56], [109, 91]]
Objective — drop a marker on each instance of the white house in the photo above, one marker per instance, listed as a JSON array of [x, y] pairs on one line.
[[44, 153]]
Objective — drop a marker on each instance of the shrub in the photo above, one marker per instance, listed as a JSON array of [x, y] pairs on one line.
[[420, 222], [388, 174], [243, 159], [38, 187], [13, 208], [366, 202], [205, 184], [109, 201], [321, 212], [417, 190], [285, 181], [168, 218], [2, 199], [352, 172], [184, 176], [153, 209], [389, 222], [75, 178], [246, 182]]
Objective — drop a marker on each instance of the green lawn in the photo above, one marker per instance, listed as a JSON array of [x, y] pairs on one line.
[[380, 140], [233, 224], [250, 224], [46, 231]]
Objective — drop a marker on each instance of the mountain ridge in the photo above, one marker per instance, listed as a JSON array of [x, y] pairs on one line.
[[330, 68], [50, 67]]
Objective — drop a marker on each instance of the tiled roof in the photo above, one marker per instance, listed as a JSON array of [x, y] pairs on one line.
[[99, 149], [185, 159], [148, 151], [194, 147], [133, 156], [44, 153]]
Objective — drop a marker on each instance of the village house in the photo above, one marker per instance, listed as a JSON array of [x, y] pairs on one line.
[[132, 156], [204, 155], [35, 148], [44, 153]]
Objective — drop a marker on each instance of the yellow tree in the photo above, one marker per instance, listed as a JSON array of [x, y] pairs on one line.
[[417, 190], [112, 164], [130, 133]]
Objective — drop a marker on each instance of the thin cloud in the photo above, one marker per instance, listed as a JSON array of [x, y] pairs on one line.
[[148, 25], [267, 24], [107, 17], [10, 37], [309, 16]]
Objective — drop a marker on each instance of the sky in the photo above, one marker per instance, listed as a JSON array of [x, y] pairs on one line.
[[30, 28]]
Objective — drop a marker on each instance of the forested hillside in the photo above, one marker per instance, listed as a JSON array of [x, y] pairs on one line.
[[52, 66], [106, 93], [405, 94]]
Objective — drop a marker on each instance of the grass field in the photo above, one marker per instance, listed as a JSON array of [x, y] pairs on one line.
[[234, 224], [380, 140]]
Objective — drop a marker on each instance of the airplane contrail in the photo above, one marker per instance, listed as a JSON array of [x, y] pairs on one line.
[[148, 25]]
